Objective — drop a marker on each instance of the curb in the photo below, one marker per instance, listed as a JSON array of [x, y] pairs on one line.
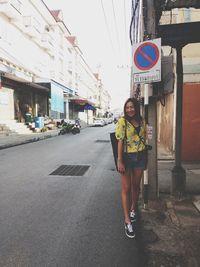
[[35, 139]]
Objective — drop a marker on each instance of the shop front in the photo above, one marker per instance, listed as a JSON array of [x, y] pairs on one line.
[[82, 108], [6, 103], [58, 102], [19, 95]]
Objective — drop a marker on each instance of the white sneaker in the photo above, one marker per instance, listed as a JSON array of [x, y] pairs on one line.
[[129, 231], [133, 216]]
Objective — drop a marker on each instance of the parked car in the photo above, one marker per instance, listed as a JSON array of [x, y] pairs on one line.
[[105, 121], [98, 122], [110, 120]]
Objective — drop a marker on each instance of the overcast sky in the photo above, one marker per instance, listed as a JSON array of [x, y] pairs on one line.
[[102, 29]]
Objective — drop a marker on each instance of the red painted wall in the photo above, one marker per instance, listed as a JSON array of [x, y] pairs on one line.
[[191, 122]]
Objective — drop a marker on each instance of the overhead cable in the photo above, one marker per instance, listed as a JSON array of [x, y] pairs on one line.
[[107, 27], [132, 20], [116, 28], [125, 26]]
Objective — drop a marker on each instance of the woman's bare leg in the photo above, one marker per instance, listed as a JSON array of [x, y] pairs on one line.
[[135, 187], [125, 194]]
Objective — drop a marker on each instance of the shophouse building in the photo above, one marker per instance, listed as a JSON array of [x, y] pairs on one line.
[[83, 104], [41, 66], [191, 92], [103, 99]]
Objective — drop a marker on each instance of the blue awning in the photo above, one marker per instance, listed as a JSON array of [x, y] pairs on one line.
[[89, 107]]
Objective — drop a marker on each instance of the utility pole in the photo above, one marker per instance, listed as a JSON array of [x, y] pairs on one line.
[[146, 32], [150, 112]]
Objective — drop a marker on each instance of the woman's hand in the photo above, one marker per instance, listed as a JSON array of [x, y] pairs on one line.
[[120, 166]]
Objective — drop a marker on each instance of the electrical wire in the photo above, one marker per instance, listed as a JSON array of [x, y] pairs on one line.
[[132, 20], [116, 29], [137, 92], [131, 25], [125, 29], [107, 27], [117, 45]]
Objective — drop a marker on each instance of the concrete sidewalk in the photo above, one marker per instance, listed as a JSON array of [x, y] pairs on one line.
[[20, 139], [170, 227], [171, 232]]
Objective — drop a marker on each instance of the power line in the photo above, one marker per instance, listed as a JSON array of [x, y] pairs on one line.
[[107, 27], [116, 29], [119, 16], [133, 19], [126, 36], [125, 29]]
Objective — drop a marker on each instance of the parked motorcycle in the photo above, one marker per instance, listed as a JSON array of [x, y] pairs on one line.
[[76, 128], [69, 127]]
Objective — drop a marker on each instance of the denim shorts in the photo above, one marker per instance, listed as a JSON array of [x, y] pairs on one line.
[[135, 160]]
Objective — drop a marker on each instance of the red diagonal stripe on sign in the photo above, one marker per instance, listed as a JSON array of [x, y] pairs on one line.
[[146, 56]]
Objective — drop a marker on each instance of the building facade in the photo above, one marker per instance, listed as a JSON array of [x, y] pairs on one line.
[[191, 93], [41, 65]]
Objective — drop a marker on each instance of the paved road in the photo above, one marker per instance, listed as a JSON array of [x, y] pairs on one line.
[[52, 220]]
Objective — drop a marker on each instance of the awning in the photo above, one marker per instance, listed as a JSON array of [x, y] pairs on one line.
[[38, 86], [49, 83], [89, 107], [15, 74], [81, 101], [23, 85]]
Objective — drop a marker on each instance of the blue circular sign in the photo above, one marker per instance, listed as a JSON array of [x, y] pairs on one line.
[[146, 56]]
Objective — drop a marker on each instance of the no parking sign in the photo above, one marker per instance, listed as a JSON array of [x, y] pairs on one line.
[[147, 61]]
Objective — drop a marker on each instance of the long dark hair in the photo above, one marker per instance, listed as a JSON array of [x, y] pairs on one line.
[[136, 105]]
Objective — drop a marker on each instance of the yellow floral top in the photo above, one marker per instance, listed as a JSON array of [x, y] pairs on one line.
[[134, 142]]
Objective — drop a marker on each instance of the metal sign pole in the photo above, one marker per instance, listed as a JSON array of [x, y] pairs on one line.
[[146, 177], [150, 174]]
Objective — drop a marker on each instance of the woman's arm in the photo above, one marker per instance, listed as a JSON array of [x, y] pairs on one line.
[[120, 164]]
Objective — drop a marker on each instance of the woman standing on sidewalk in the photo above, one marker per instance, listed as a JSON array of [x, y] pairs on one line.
[[131, 135]]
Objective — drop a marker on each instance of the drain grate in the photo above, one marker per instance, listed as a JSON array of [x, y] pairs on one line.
[[71, 170], [102, 141]]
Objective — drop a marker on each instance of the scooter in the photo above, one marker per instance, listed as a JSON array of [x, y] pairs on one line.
[[76, 128], [68, 127]]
